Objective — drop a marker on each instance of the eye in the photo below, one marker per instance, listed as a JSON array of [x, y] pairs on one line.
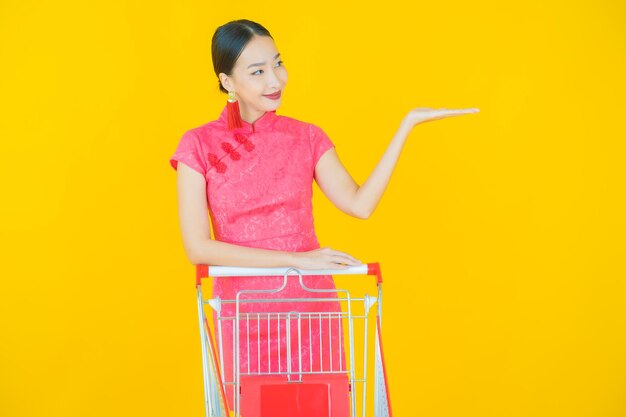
[[255, 72]]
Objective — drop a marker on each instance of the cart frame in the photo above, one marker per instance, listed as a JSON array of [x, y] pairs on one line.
[[215, 380]]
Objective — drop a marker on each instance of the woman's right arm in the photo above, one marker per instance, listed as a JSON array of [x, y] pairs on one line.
[[202, 250]]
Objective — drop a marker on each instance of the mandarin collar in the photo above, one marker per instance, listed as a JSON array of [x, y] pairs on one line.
[[261, 124]]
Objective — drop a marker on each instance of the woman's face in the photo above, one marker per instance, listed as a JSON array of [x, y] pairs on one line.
[[258, 72]]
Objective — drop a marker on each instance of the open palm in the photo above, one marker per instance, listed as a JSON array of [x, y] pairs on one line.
[[425, 114]]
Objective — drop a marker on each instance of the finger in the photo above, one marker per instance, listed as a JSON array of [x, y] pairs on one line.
[[452, 113], [340, 253], [463, 111], [457, 111], [351, 259], [328, 266], [348, 257], [345, 260]]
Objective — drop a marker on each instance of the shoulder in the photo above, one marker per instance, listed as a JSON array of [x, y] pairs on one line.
[[312, 136], [301, 126], [207, 133], [208, 128]]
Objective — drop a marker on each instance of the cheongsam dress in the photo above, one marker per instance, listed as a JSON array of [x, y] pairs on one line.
[[259, 192]]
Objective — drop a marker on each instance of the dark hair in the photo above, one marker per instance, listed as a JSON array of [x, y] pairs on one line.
[[228, 42]]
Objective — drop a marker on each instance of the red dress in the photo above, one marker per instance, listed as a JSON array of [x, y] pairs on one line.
[[259, 187]]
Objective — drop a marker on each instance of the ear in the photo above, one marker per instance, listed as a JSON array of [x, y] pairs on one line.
[[226, 81]]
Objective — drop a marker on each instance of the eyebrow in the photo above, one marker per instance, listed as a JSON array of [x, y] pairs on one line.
[[260, 64]]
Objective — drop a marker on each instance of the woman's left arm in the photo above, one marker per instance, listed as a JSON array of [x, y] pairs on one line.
[[360, 201]]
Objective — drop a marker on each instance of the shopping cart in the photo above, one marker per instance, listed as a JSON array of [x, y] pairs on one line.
[[290, 379]]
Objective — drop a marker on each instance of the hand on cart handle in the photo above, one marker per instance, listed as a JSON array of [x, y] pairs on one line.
[[324, 258]]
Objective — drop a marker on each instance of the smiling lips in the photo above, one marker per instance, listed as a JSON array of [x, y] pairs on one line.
[[274, 96]]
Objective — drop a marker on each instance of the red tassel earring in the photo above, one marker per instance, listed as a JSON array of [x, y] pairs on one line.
[[234, 114]]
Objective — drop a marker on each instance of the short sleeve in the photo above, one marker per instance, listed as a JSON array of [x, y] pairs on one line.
[[189, 152], [320, 142]]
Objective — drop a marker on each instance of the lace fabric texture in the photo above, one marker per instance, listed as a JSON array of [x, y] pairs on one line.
[[259, 188]]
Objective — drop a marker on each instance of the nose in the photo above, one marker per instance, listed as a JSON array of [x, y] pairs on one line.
[[272, 80]]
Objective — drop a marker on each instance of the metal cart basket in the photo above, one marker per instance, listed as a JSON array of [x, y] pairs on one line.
[[302, 363]]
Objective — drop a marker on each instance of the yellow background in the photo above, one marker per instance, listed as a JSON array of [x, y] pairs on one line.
[[501, 235]]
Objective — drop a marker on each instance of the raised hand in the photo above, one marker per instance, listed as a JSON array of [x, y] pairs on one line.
[[424, 114]]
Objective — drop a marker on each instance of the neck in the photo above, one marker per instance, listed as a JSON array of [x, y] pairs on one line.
[[249, 115]]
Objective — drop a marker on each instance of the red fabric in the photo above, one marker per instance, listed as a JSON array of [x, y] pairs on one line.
[[259, 187]]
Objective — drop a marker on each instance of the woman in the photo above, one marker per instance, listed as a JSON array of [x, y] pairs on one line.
[[255, 180]]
